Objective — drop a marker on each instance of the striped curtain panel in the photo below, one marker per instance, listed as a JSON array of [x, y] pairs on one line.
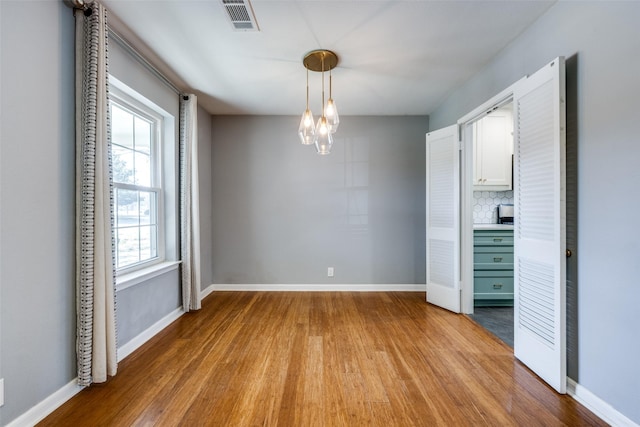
[[95, 271], [189, 203]]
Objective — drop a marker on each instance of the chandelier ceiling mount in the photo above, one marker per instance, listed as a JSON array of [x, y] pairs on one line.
[[321, 133], [317, 59]]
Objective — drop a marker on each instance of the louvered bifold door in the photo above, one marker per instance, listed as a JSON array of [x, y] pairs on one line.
[[443, 218], [539, 235]]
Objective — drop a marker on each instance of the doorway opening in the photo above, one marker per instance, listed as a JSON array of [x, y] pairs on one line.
[[539, 235], [490, 138]]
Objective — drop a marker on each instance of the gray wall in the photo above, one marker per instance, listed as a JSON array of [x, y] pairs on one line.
[[37, 205], [283, 214], [206, 185], [601, 41], [37, 208], [142, 305]]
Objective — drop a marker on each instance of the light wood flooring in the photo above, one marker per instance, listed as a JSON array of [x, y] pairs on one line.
[[322, 359]]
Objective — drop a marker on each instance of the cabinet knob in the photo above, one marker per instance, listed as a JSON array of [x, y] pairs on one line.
[[569, 253], [497, 286], [497, 259]]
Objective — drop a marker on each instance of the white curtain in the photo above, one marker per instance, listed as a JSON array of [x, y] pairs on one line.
[[189, 203], [95, 272]]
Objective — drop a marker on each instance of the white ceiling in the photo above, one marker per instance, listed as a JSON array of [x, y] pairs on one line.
[[396, 57]]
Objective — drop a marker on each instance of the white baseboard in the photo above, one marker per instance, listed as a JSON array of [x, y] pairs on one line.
[[598, 406], [36, 414], [53, 402], [206, 291], [315, 287], [149, 333]]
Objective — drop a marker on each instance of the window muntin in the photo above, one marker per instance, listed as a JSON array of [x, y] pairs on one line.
[[135, 135]]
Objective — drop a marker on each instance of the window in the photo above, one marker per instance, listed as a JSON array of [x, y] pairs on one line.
[[135, 135]]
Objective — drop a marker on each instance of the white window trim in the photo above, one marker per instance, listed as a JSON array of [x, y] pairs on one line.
[[127, 280], [166, 260], [128, 103]]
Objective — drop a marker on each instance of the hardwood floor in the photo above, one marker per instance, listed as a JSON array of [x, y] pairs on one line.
[[322, 359]]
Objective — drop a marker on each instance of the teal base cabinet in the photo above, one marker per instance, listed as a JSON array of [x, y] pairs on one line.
[[493, 268]]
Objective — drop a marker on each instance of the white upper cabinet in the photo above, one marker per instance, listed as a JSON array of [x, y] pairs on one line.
[[493, 151]]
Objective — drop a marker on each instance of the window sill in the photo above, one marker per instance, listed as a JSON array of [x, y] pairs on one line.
[[134, 278]]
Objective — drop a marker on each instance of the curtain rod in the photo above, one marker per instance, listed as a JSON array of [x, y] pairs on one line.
[[142, 60], [76, 4], [79, 4]]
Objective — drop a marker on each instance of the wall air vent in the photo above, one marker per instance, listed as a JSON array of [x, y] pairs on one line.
[[241, 15]]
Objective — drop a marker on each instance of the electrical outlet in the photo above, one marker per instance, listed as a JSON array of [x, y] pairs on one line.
[[330, 272], [1, 391]]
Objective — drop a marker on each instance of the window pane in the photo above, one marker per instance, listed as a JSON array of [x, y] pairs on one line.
[[154, 241], [127, 208], [128, 246], [134, 151], [121, 127], [122, 161], [143, 135], [136, 226], [143, 169], [147, 242], [147, 208]]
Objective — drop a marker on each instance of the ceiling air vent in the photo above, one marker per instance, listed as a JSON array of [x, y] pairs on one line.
[[241, 15]]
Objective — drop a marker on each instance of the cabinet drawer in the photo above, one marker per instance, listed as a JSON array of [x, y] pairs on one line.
[[493, 238], [500, 274], [493, 260], [493, 249], [493, 288]]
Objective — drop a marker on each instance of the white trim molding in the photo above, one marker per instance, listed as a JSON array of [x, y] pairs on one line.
[[57, 399], [139, 276], [149, 333], [40, 411], [598, 406], [314, 287], [206, 291]]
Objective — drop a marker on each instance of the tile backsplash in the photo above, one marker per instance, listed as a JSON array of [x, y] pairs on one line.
[[485, 205]]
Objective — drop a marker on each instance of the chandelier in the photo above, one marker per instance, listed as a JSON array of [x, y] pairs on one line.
[[321, 133]]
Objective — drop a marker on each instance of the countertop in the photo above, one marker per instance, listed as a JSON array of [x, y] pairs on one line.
[[493, 226]]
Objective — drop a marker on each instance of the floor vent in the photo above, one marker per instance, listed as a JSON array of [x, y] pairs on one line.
[[241, 15]]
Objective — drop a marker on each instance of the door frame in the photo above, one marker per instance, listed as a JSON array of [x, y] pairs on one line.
[[465, 132]]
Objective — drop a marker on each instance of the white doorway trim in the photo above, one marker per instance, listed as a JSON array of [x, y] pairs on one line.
[[466, 191]]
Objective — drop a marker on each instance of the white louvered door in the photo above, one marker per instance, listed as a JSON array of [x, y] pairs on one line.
[[539, 236], [443, 218]]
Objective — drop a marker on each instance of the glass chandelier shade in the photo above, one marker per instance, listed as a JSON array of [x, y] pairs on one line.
[[307, 130], [331, 111], [324, 137], [320, 133]]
